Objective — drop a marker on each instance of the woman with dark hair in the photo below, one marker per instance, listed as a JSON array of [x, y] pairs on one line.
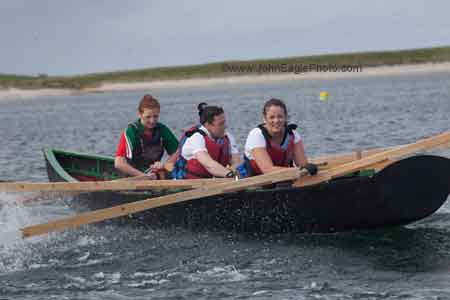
[[143, 142], [207, 150], [274, 144]]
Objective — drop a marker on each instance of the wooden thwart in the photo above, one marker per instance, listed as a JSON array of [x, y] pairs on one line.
[[130, 208]]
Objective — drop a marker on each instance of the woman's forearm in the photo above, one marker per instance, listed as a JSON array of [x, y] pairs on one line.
[[121, 164], [300, 156], [211, 165]]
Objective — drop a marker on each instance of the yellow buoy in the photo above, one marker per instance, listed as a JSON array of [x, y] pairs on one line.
[[323, 96]]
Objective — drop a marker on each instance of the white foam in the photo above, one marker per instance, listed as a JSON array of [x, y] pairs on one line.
[[143, 274], [86, 240], [260, 292], [92, 262], [141, 284], [15, 252], [147, 282], [84, 257], [221, 274], [112, 278], [37, 266], [99, 275], [115, 277], [12, 217], [75, 279]]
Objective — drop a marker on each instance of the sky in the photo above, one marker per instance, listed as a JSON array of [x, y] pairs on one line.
[[65, 37]]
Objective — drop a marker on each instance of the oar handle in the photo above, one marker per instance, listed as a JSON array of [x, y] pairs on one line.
[[168, 166]]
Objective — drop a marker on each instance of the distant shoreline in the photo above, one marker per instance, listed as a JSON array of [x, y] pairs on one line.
[[146, 86], [271, 77]]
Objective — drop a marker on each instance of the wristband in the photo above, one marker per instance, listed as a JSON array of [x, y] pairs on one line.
[[229, 174]]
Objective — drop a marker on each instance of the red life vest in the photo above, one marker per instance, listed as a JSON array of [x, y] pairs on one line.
[[219, 151], [281, 155]]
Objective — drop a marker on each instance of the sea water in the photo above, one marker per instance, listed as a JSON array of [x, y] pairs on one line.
[[112, 262]]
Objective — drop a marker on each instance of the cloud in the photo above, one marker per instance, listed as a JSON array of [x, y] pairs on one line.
[[68, 37]]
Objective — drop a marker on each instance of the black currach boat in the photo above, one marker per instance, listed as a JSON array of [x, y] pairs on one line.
[[403, 192]]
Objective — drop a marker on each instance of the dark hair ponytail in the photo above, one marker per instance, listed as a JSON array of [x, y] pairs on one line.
[[207, 113], [201, 108]]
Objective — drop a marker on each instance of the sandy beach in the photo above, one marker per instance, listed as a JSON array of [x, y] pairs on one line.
[[232, 80]]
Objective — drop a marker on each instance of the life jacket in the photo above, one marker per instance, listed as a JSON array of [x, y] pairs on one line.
[[282, 155], [146, 151], [219, 150], [178, 171]]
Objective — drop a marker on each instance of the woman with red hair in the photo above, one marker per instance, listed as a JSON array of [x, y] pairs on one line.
[[143, 142]]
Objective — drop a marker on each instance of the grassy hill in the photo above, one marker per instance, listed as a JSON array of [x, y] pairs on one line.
[[365, 59]]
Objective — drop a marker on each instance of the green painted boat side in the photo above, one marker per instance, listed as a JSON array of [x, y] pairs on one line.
[[73, 166]]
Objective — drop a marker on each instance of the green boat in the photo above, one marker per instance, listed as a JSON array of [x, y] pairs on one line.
[[400, 193]]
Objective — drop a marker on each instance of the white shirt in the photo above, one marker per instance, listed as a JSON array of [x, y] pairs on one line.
[[196, 143], [255, 139]]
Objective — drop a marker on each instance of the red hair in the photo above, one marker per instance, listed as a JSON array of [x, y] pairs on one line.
[[149, 102]]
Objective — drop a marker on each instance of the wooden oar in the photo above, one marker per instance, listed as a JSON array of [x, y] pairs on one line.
[[128, 183], [168, 166], [130, 208], [381, 157], [92, 186], [333, 160], [329, 161]]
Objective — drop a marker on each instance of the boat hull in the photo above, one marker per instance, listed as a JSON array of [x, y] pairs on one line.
[[404, 192]]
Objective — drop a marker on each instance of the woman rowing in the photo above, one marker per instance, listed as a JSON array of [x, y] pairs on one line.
[[274, 144], [143, 142], [207, 150]]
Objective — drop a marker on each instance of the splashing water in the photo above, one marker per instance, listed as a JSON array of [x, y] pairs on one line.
[[13, 216], [15, 252]]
